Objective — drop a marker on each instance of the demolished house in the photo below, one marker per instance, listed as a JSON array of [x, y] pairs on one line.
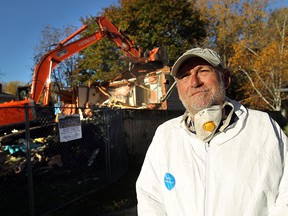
[[136, 89]]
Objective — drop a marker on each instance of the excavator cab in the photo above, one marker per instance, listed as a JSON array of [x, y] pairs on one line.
[[22, 93]]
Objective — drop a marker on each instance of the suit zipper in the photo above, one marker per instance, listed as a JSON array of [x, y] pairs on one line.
[[207, 169]]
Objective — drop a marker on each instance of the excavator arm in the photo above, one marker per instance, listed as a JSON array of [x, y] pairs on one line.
[[64, 50], [42, 72]]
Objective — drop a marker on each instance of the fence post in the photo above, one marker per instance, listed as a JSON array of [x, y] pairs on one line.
[[107, 144], [29, 167]]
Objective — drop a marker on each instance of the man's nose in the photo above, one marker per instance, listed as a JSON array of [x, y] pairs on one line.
[[195, 81]]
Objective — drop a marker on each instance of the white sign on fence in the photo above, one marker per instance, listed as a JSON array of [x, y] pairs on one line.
[[69, 127]]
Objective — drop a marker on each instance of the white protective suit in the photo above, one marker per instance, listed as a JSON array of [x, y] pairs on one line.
[[240, 172]]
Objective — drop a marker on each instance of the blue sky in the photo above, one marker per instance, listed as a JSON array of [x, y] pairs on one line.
[[21, 23]]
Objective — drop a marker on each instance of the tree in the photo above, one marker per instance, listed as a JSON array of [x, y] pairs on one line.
[[253, 45], [264, 64], [230, 21], [174, 25], [11, 87]]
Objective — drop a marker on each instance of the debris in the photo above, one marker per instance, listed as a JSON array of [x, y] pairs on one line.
[[93, 156], [55, 160]]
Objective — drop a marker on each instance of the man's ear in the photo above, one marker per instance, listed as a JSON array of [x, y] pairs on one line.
[[227, 78]]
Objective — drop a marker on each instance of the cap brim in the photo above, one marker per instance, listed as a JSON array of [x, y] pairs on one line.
[[179, 62], [185, 57]]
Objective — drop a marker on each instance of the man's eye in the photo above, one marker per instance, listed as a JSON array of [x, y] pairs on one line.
[[204, 70]]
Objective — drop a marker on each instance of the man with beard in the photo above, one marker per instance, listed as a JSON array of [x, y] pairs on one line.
[[219, 158]]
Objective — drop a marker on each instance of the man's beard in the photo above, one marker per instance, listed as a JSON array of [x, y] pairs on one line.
[[204, 101]]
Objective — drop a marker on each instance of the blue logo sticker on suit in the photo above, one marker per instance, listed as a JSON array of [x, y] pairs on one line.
[[169, 181]]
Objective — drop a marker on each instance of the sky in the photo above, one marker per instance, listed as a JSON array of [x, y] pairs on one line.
[[21, 23]]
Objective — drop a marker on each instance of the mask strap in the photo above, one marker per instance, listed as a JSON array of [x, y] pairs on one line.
[[228, 119]]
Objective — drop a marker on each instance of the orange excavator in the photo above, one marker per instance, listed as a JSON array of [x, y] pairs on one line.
[[13, 112]]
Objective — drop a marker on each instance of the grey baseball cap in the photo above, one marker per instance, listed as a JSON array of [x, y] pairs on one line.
[[208, 55]]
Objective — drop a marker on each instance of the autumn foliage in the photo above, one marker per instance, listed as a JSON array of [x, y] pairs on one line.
[[254, 44]]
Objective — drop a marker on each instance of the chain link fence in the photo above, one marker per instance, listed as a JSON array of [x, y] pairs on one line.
[[40, 174]]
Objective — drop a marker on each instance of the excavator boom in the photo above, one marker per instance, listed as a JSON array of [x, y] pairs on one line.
[[65, 50], [43, 69]]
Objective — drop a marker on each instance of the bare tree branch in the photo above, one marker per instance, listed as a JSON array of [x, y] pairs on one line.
[[256, 89]]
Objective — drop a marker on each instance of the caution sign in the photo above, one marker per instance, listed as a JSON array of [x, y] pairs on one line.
[[69, 127]]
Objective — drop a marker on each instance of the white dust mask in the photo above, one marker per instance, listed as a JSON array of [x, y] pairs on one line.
[[207, 121]]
